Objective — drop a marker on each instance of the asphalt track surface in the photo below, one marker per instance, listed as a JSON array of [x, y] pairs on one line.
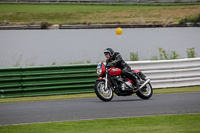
[[93, 108]]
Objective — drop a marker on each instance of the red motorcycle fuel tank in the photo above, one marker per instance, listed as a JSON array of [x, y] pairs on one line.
[[115, 71]]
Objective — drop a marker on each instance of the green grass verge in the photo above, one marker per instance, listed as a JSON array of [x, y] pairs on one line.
[[87, 14], [80, 7], [89, 95], [188, 123]]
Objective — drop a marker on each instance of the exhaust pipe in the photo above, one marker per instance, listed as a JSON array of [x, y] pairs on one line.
[[145, 83]]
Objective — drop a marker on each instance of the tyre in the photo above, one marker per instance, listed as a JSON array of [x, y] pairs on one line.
[[101, 92], [146, 92]]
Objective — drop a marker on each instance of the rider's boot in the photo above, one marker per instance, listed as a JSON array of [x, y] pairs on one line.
[[134, 78], [136, 83]]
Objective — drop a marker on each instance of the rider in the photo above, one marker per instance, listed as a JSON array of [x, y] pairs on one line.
[[114, 59]]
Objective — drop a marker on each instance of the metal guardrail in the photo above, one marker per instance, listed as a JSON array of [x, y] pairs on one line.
[[18, 27], [76, 1], [35, 81], [170, 73], [101, 1]]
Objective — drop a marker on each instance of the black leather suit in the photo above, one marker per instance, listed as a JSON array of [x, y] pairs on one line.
[[117, 61]]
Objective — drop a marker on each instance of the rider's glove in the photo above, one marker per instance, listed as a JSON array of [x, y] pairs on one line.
[[110, 65]]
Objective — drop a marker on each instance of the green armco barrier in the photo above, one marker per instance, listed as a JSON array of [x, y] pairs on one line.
[[38, 81]]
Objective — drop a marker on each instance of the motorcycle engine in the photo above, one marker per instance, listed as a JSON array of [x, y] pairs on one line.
[[125, 85]]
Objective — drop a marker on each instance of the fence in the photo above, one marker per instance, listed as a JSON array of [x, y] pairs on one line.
[[35, 81], [170, 73], [158, 1]]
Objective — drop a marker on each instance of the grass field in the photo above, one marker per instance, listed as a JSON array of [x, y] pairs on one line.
[[86, 14], [188, 123]]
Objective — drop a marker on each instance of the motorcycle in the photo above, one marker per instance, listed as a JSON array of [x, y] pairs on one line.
[[112, 81]]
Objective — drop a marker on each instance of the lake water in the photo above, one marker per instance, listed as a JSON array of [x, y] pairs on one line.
[[62, 47]]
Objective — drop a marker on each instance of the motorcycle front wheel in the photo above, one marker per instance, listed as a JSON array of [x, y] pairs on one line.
[[146, 92], [101, 92]]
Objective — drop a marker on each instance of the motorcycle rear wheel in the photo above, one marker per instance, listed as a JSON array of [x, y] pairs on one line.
[[146, 92], [101, 92]]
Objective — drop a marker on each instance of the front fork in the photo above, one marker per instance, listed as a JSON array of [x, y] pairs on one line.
[[106, 80]]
